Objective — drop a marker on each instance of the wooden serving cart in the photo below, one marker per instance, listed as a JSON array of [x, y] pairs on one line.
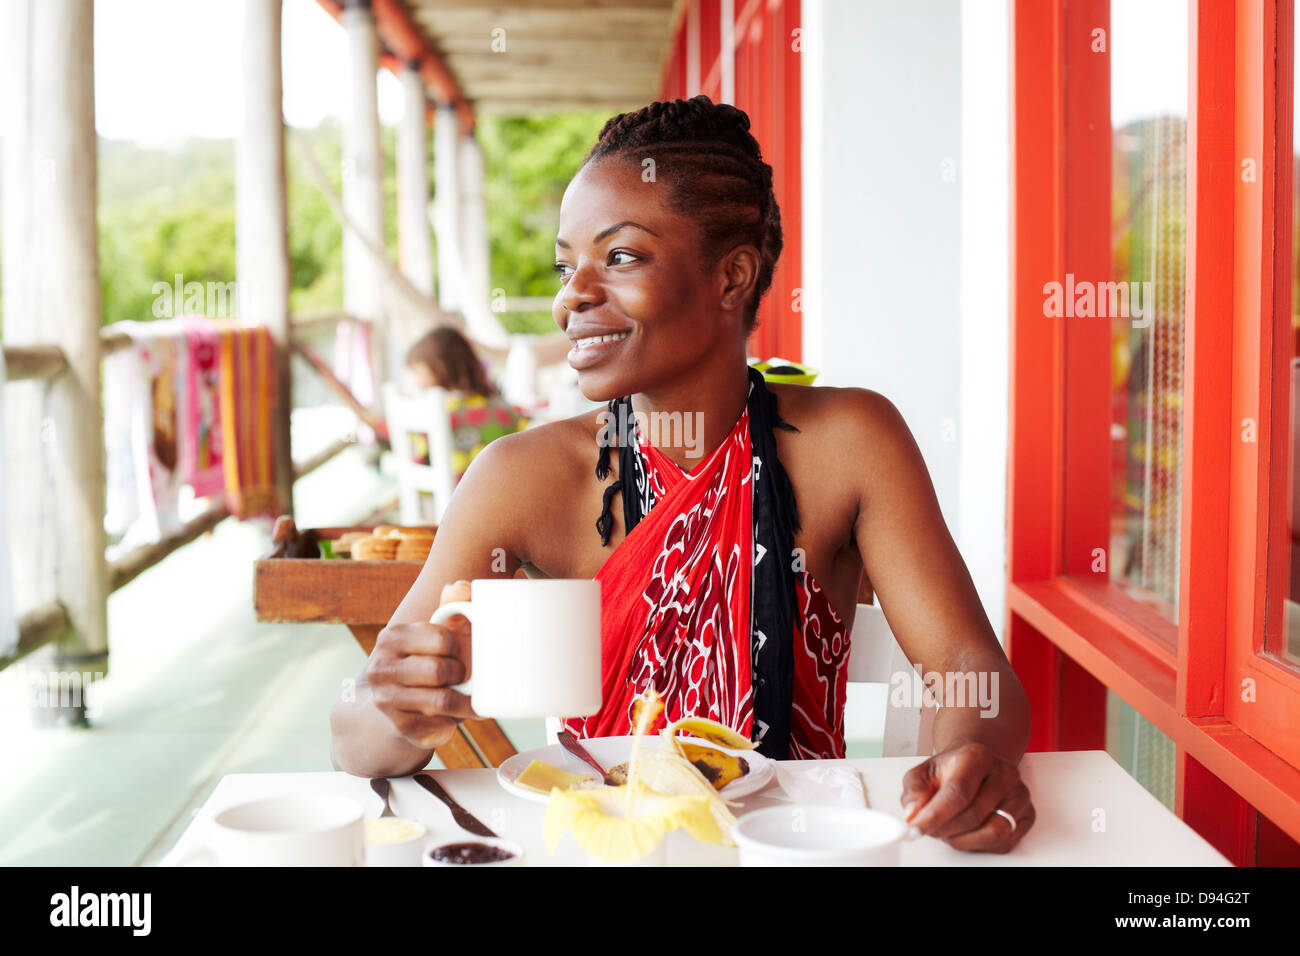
[[294, 583]]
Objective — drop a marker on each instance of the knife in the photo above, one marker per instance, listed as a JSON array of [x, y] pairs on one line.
[[464, 819]]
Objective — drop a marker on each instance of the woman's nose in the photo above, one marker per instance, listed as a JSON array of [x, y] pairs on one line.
[[581, 289]]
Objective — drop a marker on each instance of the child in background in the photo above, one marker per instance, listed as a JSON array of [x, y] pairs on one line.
[[445, 359]]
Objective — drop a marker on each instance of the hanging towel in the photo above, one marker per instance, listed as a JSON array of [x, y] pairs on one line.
[[248, 397], [200, 436], [142, 398]]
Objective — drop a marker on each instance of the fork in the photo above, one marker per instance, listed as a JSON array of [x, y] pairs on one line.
[[380, 786]]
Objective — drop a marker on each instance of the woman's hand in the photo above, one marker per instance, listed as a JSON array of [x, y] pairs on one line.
[[955, 796], [412, 669]]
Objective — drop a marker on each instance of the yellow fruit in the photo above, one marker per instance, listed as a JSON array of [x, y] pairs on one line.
[[717, 767], [709, 730]]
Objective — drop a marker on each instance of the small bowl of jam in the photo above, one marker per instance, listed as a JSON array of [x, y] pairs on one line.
[[475, 852]]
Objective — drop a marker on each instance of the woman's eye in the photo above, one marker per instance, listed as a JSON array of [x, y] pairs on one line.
[[559, 268], [620, 252]]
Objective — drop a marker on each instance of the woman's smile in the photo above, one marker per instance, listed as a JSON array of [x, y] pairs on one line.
[[594, 349]]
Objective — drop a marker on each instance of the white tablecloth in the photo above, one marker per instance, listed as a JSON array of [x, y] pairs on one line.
[[1090, 813]]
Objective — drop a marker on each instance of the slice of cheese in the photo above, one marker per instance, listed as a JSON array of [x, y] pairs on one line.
[[544, 777]]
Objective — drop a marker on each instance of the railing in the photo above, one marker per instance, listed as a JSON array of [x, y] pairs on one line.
[[48, 622]]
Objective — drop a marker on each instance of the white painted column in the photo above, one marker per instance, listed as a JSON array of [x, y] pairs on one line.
[[476, 268], [985, 307], [446, 202], [363, 198], [261, 213], [24, 401], [63, 268], [413, 237]]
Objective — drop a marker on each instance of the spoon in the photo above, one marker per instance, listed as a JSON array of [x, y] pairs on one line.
[[570, 743], [380, 786]]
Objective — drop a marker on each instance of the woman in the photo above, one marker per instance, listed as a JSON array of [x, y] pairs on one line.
[[668, 237]]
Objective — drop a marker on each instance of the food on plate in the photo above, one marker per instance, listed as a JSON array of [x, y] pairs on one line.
[[709, 730], [664, 792], [718, 767], [544, 777]]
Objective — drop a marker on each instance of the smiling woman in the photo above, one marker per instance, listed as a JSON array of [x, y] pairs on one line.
[[730, 573]]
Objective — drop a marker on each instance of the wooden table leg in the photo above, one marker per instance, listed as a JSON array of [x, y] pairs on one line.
[[366, 635]]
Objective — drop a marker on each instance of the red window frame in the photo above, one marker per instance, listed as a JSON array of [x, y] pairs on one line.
[[1071, 633]]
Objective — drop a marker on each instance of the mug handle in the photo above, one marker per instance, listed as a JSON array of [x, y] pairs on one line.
[[441, 615]]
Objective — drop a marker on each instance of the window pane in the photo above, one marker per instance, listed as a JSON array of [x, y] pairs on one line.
[[1148, 216], [1286, 644], [1141, 749]]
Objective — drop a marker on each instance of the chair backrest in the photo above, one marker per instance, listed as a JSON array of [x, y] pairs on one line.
[[875, 657], [419, 427]]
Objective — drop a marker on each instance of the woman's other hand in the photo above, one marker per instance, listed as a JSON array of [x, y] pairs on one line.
[[955, 795]]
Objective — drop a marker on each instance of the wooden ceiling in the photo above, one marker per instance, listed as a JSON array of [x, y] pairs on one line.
[[541, 55]]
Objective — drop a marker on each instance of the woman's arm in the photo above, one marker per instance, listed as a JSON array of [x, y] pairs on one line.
[[927, 595], [403, 706]]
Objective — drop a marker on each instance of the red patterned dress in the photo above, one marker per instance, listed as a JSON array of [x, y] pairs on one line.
[[676, 613]]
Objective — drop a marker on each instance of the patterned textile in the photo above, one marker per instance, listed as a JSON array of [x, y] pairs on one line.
[[476, 421], [248, 396], [700, 601], [200, 407]]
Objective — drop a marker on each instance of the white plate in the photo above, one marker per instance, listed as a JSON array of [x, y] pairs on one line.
[[611, 751]]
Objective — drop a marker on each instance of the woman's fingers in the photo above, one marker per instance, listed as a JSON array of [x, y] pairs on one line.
[[991, 793], [996, 835]]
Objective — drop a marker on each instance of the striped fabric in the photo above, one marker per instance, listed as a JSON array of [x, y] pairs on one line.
[[248, 396]]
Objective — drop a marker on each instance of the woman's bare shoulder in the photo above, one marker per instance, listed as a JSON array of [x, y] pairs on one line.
[[846, 409]]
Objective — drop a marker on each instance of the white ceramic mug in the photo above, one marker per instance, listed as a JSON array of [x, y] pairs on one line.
[[819, 835], [292, 830], [535, 646]]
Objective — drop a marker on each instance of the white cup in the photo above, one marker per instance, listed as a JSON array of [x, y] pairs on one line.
[[293, 830], [535, 646], [819, 836]]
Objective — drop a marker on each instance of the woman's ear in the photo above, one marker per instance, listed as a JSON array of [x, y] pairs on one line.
[[738, 273]]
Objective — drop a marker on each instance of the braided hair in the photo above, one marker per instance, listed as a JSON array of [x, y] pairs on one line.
[[715, 174]]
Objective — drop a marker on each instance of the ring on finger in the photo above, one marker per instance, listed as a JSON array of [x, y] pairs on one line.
[[1010, 818]]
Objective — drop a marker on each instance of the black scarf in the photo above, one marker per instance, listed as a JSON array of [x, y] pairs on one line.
[[776, 519]]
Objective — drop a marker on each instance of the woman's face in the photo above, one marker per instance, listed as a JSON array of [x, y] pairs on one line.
[[630, 267]]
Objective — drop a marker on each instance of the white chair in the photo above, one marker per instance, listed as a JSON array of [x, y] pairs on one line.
[[874, 658], [423, 490]]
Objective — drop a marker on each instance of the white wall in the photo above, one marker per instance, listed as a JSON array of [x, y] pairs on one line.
[[906, 243], [882, 221]]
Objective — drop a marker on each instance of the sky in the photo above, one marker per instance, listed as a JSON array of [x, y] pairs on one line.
[[168, 69]]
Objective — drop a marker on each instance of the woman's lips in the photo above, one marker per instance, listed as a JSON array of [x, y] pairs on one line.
[[593, 350]]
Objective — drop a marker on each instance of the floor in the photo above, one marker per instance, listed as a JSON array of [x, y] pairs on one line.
[[197, 690]]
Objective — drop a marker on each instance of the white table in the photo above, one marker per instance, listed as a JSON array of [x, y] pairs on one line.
[[1090, 813]]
